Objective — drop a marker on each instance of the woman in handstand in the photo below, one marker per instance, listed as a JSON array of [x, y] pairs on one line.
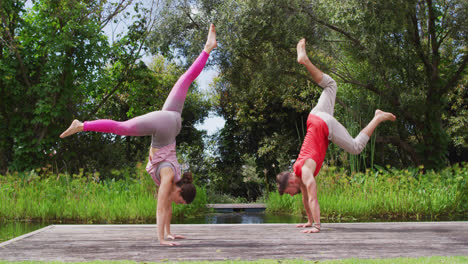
[[163, 126], [321, 127]]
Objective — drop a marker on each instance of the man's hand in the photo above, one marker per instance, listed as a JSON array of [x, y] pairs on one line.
[[167, 243], [308, 224], [171, 236]]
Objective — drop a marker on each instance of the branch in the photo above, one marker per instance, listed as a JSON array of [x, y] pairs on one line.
[[417, 42], [402, 144], [116, 87], [120, 7], [341, 31], [338, 100], [442, 24], [189, 16], [125, 75], [369, 87], [24, 71], [457, 75], [433, 35]]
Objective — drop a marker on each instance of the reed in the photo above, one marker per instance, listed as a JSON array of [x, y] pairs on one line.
[[83, 198], [385, 194]]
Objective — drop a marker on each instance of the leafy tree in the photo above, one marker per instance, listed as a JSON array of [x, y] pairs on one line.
[[51, 55], [402, 56], [56, 64]]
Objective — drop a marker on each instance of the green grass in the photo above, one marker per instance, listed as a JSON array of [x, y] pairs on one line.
[[425, 260], [385, 194], [85, 199]]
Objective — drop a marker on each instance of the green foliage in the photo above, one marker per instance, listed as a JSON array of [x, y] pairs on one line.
[[85, 198], [56, 65], [386, 193], [406, 57]]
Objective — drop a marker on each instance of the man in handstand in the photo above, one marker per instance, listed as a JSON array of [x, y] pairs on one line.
[[321, 127]]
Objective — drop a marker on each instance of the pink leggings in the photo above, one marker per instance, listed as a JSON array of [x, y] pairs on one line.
[[163, 125]]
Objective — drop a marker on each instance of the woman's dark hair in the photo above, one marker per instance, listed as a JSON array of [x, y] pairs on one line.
[[188, 191]]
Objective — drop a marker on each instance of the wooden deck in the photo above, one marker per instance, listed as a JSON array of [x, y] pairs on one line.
[[239, 241]]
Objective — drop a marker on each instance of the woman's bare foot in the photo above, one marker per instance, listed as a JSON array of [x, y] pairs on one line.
[[301, 52], [211, 41], [384, 116], [75, 127]]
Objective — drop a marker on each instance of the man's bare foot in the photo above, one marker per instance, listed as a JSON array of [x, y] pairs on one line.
[[384, 116], [301, 52], [75, 127], [211, 41]]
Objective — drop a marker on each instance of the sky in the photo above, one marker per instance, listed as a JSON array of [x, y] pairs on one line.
[[214, 122]]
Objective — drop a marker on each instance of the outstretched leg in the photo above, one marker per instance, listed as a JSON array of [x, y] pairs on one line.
[[125, 128], [163, 125], [340, 136], [326, 102], [303, 59], [175, 100]]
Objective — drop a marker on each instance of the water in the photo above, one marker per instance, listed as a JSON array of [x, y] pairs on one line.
[[13, 229], [241, 218]]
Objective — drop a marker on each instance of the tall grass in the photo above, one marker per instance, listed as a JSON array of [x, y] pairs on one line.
[[85, 198], [385, 193]]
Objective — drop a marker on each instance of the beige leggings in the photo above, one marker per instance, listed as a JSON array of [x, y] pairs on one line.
[[337, 133]]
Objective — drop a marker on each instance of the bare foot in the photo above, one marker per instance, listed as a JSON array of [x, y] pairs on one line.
[[211, 41], [384, 116], [75, 127], [301, 52]]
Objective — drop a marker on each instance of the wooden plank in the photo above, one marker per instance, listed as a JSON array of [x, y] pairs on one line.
[[241, 241], [237, 206]]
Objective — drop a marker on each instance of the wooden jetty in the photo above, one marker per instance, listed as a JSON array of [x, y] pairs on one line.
[[240, 241]]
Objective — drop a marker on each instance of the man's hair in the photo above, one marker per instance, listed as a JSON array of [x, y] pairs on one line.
[[282, 181]]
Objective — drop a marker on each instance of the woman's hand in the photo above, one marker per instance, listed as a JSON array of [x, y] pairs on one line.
[[167, 243], [312, 230], [308, 224], [171, 236]]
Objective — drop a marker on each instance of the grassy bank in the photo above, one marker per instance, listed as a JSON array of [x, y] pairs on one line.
[[84, 198], [426, 260], [385, 194]]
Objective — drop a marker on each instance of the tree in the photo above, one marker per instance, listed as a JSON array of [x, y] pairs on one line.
[[56, 64], [401, 56], [413, 54]]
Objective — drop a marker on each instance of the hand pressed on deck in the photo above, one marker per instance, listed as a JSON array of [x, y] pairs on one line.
[[171, 236]]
